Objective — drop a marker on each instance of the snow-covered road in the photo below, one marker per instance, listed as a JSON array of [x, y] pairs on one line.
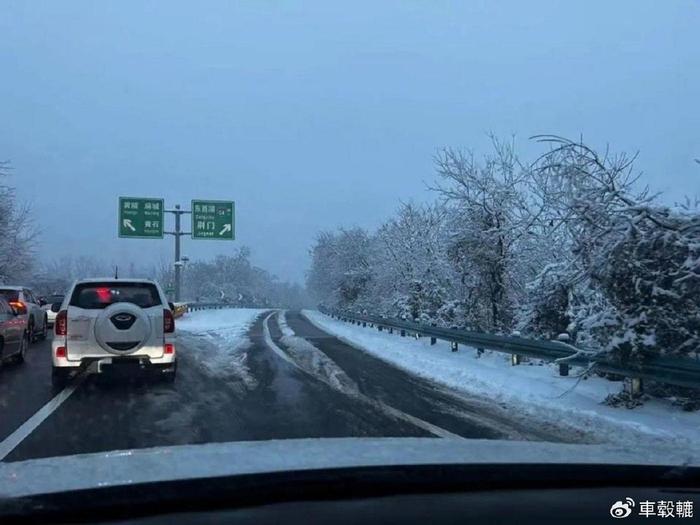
[[254, 375]]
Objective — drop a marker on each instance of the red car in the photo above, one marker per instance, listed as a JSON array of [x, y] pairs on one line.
[[14, 339]]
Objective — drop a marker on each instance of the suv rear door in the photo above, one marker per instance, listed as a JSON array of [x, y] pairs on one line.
[[89, 302]]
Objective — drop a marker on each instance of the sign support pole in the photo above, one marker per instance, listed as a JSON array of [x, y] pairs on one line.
[[142, 218], [178, 233]]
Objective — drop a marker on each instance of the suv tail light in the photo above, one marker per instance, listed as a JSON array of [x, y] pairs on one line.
[[168, 322], [61, 323], [18, 307]]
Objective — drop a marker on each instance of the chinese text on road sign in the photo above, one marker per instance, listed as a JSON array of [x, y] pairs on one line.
[[140, 218], [213, 220]]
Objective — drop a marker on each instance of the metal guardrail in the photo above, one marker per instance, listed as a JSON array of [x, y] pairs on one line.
[[193, 307], [678, 371]]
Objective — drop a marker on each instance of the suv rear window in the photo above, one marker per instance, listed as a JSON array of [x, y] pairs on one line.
[[94, 296], [10, 295]]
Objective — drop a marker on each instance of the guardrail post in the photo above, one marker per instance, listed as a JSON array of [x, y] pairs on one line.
[[380, 327], [454, 346], [403, 333], [514, 359], [391, 330], [433, 339], [479, 352], [563, 369], [364, 324], [633, 385]]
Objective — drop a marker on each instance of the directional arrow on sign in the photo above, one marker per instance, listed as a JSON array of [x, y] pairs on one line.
[[127, 224], [214, 220]]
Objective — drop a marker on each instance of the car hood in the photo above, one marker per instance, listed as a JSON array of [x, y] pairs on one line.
[[126, 467]]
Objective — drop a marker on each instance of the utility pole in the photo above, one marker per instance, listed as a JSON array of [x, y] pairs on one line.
[[178, 233]]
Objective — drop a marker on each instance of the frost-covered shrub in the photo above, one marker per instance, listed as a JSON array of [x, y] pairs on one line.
[[546, 312], [652, 278]]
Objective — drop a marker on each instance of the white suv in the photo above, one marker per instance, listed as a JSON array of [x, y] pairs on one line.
[[121, 324]]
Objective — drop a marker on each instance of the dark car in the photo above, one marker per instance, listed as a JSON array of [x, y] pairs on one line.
[[14, 338]]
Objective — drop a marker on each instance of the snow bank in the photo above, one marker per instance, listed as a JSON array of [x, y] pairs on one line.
[[225, 330], [230, 320], [535, 390]]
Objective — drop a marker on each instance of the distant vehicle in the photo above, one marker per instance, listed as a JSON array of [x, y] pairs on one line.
[[52, 306], [122, 325], [14, 339], [37, 320]]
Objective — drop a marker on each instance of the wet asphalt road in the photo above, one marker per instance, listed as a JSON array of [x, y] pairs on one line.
[[256, 392]]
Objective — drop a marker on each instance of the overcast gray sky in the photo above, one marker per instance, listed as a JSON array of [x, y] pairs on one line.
[[312, 115]]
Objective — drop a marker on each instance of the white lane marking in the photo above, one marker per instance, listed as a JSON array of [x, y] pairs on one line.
[[421, 423], [13, 440], [387, 409]]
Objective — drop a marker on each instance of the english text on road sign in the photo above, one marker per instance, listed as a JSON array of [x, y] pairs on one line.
[[213, 220], [140, 218]]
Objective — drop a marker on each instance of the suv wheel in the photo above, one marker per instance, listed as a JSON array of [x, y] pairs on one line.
[[19, 356], [44, 331], [60, 377]]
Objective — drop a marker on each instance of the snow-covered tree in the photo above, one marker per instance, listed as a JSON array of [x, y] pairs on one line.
[[56, 275], [490, 219], [341, 273], [235, 279], [638, 262], [412, 273], [17, 234], [568, 243]]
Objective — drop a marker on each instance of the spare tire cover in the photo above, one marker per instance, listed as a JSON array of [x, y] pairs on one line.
[[122, 328]]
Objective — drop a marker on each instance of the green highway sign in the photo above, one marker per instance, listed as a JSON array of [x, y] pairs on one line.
[[140, 218], [213, 220]]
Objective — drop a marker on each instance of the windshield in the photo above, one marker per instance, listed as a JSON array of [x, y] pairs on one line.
[[102, 295], [416, 222], [10, 295]]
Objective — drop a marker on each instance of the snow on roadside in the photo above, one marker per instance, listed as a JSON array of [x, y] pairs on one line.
[[536, 391], [230, 321], [222, 353]]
